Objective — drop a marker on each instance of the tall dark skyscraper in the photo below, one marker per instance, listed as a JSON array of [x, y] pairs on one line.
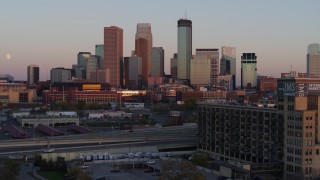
[[184, 48], [113, 54], [228, 63], [33, 74]]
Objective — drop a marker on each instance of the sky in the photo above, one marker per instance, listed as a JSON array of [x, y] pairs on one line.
[[51, 33]]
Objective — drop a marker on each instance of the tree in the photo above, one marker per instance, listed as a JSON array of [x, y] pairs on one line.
[[199, 158], [180, 169], [190, 104], [77, 173], [12, 166]]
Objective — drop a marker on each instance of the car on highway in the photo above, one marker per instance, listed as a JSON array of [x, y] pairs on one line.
[[151, 162], [147, 170], [48, 150], [156, 174], [100, 178], [114, 170]]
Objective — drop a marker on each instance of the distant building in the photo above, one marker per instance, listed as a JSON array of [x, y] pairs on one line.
[[184, 48], [133, 72], [113, 54], [6, 78], [92, 65], [268, 84], [16, 93], [157, 62], [82, 58], [213, 55], [248, 70], [33, 74], [200, 69], [60, 74], [226, 81], [173, 66], [228, 63], [143, 48], [313, 60], [99, 51]]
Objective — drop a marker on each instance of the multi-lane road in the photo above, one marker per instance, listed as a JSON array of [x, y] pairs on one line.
[[177, 136]]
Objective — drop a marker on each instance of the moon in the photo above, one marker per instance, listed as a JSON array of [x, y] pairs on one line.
[[8, 56]]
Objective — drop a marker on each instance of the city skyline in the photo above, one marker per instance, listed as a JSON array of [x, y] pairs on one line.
[[52, 34]]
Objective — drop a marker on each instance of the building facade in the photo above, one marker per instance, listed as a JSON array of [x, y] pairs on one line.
[[200, 70], [313, 60], [213, 55], [173, 66], [228, 63], [157, 63], [299, 104], [60, 74], [33, 74], [99, 51], [133, 72], [143, 47], [113, 54], [248, 70], [184, 48], [16, 93], [243, 140]]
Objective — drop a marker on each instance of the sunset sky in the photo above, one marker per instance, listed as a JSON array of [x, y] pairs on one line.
[[51, 33]]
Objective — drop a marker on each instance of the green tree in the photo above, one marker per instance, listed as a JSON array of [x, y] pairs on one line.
[[179, 170], [12, 166], [199, 158], [190, 104], [81, 105]]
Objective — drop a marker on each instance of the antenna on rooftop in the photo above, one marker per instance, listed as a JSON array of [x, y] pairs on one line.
[[185, 15]]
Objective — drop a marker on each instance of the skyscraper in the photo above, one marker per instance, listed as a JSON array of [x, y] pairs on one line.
[[92, 65], [228, 63], [113, 54], [33, 74], [143, 47], [313, 60], [132, 72], [213, 55], [157, 62], [184, 48], [248, 70], [99, 51], [173, 66], [200, 70]]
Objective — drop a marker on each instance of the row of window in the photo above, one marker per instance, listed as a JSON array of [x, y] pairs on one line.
[[292, 150]]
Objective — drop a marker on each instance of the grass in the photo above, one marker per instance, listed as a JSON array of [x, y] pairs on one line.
[[31, 175], [52, 175]]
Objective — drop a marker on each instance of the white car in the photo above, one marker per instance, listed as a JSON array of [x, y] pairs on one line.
[[151, 162], [49, 150]]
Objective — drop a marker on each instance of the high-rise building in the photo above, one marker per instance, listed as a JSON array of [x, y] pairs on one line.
[[184, 48], [248, 70], [92, 65], [200, 70], [33, 74], [99, 51], [213, 55], [113, 54], [228, 63], [173, 66], [143, 47], [61, 74], [133, 72], [82, 58], [157, 62], [313, 60], [299, 106]]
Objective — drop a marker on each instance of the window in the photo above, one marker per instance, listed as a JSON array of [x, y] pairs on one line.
[[317, 152]]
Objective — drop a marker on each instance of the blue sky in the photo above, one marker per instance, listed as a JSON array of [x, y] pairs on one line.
[[51, 33]]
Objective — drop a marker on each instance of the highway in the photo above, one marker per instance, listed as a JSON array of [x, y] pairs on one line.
[[179, 135]]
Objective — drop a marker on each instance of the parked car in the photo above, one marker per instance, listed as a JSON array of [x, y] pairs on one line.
[[147, 170], [115, 170], [151, 162], [48, 150]]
